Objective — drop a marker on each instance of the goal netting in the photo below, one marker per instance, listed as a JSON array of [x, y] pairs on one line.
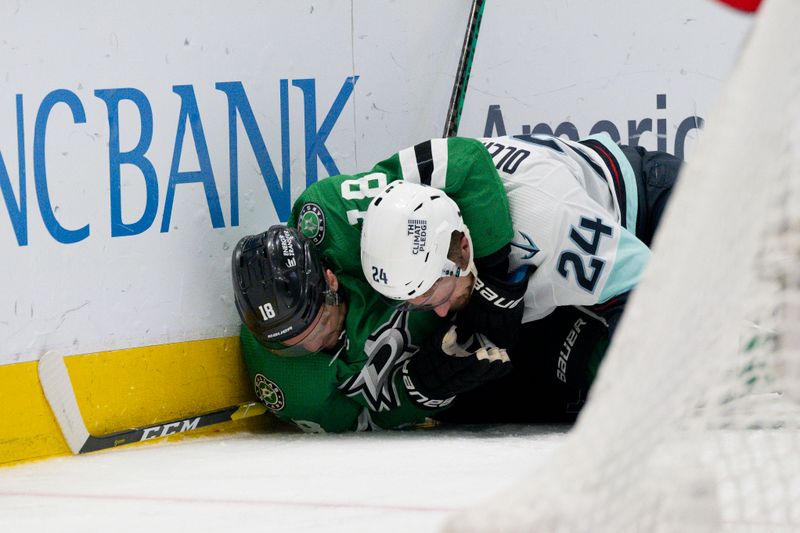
[[694, 421]]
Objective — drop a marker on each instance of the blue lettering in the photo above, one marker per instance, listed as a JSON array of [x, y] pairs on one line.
[[635, 130], [608, 127], [239, 105], [17, 210], [661, 124], [286, 163], [205, 175], [133, 219], [135, 157], [59, 232], [494, 123], [686, 125], [315, 139]]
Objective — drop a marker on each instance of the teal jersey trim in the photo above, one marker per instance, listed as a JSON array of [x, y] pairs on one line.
[[632, 257], [628, 178]]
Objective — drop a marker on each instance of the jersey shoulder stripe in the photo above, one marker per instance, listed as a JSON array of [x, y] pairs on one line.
[[425, 163], [622, 172], [424, 157], [616, 175]]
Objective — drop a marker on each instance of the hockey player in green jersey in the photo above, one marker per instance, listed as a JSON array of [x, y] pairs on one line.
[[368, 377], [324, 351], [331, 212]]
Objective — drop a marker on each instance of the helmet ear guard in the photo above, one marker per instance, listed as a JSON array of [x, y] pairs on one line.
[[279, 284], [405, 239]]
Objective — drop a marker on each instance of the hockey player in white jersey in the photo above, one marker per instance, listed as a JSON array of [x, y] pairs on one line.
[[583, 214]]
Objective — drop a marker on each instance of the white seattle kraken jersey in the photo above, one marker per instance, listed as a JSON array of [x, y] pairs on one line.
[[568, 221]]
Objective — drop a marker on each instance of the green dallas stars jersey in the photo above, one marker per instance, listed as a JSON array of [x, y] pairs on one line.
[[361, 388], [331, 211]]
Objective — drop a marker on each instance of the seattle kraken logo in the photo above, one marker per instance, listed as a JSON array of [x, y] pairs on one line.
[[530, 247]]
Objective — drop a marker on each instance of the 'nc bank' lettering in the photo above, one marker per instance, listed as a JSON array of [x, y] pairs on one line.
[[239, 109]]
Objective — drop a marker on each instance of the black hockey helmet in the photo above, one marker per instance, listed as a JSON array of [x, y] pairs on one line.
[[278, 284]]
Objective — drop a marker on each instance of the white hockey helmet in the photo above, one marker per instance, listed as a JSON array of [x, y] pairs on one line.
[[405, 239]]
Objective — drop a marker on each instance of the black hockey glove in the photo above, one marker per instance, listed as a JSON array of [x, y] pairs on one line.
[[443, 367], [495, 307]]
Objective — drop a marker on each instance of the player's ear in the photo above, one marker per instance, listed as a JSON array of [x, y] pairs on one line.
[[465, 251], [333, 281], [459, 250]]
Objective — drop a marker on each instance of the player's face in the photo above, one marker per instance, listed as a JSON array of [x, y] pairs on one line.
[[450, 293], [326, 329], [324, 332], [446, 295]]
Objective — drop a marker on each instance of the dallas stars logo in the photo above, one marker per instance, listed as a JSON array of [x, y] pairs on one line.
[[311, 222], [387, 348], [269, 393]]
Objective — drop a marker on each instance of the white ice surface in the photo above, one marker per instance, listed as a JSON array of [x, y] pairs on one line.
[[286, 482]]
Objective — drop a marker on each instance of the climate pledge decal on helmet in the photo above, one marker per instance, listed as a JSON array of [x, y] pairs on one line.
[[269, 393], [417, 229], [311, 222]]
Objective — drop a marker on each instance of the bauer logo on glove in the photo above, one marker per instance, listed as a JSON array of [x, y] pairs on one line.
[[495, 299]]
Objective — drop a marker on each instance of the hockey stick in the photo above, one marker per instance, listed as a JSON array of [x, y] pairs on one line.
[[464, 68], [58, 390]]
